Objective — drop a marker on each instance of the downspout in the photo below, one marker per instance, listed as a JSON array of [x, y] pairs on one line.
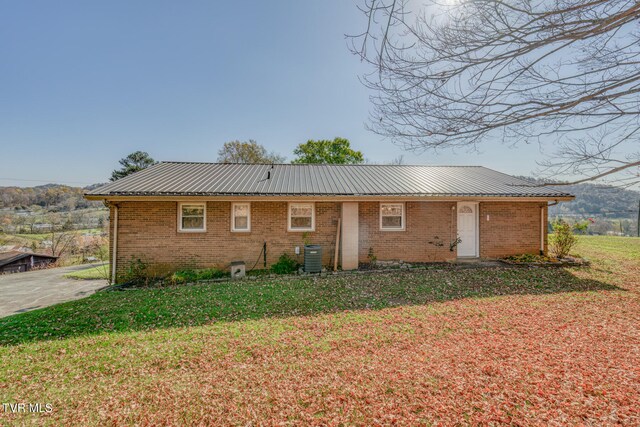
[[115, 244], [543, 226]]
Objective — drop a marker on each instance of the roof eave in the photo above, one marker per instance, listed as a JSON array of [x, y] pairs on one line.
[[328, 197]]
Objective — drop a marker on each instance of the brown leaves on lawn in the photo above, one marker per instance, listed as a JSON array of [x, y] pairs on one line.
[[522, 360], [533, 359]]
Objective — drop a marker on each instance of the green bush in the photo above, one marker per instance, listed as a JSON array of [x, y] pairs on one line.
[[562, 240], [581, 227], [191, 276], [136, 272], [212, 273], [285, 265], [372, 257]]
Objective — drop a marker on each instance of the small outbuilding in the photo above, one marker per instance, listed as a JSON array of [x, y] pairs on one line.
[[17, 262]]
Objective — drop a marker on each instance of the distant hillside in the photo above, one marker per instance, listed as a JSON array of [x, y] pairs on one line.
[[594, 200], [591, 199], [49, 196]]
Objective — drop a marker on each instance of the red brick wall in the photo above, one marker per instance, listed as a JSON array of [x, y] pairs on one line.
[[512, 228], [148, 230], [424, 222]]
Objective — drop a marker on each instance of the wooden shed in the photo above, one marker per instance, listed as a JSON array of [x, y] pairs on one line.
[[17, 262]]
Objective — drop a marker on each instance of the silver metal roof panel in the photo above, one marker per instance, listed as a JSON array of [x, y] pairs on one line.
[[229, 179]]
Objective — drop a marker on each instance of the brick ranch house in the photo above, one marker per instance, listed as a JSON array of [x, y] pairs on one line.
[[176, 214]]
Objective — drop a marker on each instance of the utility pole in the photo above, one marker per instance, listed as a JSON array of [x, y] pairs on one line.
[[638, 223]]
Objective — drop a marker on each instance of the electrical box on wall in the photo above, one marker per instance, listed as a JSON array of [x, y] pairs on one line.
[[238, 269]]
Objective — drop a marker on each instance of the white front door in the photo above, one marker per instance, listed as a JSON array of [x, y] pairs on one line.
[[467, 229]]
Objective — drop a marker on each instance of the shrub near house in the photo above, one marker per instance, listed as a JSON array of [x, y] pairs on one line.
[[563, 239]]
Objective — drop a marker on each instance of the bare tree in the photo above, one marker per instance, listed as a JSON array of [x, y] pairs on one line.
[[18, 222], [31, 220], [247, 152], [561, 73], [63, 239], [397, 160]]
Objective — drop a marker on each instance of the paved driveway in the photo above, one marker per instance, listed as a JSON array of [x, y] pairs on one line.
[[21, 292]]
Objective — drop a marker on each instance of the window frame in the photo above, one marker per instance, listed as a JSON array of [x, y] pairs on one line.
[[402, 216], [204, 218], [233, 218], [313, 217]]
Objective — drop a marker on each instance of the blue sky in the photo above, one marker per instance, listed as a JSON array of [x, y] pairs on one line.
[[82, 84]]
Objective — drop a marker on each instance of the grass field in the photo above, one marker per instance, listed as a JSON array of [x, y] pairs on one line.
[[95, 272], [521, 346]]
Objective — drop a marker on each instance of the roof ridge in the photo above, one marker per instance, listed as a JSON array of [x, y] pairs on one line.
[[315, 164]]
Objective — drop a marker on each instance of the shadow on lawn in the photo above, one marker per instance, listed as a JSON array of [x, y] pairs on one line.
[[192, 305]]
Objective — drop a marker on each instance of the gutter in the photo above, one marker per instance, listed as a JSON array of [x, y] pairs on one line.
[[543, 231], [114, 256], [543, 226], [329, 198]]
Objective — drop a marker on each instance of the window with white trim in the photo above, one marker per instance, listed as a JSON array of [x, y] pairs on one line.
[[302, 217], [192, 217], [392, 216], [240, 217]]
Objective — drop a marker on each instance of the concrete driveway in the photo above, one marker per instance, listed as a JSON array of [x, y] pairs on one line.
[[20, 292]]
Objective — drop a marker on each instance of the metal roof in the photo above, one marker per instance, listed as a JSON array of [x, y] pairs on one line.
[[229, 179]]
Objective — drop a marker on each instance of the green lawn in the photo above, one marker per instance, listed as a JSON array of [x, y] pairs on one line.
[[39, 237], [609, 247], [448, 346], [145, 309], [96, 272]]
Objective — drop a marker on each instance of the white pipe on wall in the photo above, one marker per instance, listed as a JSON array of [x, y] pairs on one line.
[[115, 244]]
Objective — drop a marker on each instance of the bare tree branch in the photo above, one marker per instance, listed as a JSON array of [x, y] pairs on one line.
[[591, 178], [552, 72]]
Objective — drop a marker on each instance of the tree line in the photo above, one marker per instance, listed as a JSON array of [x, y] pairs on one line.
[[51, 197], [335, 151], [594, 200], [63, 198]]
